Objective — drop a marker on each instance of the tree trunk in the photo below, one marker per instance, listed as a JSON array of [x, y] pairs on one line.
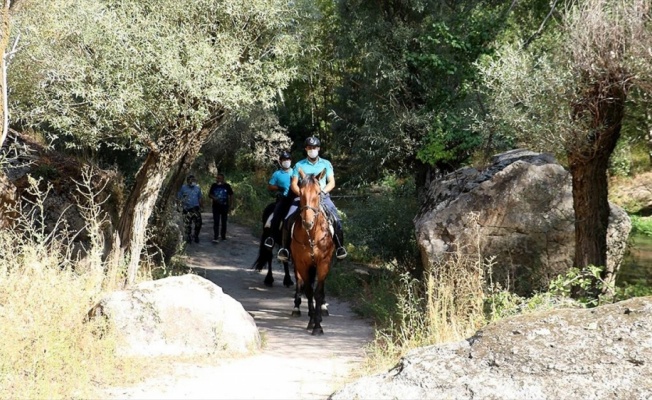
[[591, 212], [588, 166], [648, 136], [137, 210], [140, 204], [5, 29]]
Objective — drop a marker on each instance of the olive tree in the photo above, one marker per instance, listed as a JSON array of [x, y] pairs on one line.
[[154, 75], [568, 95]]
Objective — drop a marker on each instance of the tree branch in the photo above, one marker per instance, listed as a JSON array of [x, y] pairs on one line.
[[543, 24]]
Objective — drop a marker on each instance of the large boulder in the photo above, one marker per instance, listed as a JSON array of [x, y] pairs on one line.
[[183, 315], [520, 210], [599, 353]]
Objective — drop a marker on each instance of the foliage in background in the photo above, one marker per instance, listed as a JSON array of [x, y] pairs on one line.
[[246, 143], [378, 225], [389, 84], [641, 225], [250, 197]]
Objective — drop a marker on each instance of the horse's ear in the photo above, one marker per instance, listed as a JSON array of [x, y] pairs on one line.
[[321, 174], [301, 173]]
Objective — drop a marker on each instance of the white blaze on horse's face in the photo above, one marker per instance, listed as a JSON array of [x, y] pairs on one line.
[[310, 202]]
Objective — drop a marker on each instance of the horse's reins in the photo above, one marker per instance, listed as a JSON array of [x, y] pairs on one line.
[[311, 242]]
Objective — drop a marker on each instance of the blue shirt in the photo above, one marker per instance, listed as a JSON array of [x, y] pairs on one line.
[[189, 196], [281, 178], [314, 168]]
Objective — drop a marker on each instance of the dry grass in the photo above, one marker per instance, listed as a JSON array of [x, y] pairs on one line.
[[446, 305], [48, 348]]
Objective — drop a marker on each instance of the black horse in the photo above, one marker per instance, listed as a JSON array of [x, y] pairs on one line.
[[265, 254]]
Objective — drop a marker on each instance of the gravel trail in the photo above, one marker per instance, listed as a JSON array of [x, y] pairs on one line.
[[292, 364]]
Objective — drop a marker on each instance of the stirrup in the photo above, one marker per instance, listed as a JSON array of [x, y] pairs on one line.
[[283, 255], [269, 242], [340, 253]]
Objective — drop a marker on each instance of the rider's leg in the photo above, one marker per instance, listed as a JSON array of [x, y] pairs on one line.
[[198, 223], [283, 253], [274, 229], [186, 225], [338, 237]]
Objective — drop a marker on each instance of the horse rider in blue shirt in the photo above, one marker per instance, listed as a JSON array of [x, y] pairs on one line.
[[280, 183], [314, 164], [190, 197]]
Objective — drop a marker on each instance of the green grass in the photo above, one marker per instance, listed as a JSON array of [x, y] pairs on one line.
[[641, 225]]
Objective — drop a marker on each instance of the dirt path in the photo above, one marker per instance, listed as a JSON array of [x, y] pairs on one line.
[[293, 364]]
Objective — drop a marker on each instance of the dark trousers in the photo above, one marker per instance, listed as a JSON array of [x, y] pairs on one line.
[[192, 216], [282, 206], [220, 213], [330, 209]]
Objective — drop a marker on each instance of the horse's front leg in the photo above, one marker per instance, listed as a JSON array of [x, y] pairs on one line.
[[296, 312], [311, 306], [319, 302], [287, 280], [269, 279]]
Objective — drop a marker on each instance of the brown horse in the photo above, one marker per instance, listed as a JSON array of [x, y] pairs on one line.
[[312, 249]]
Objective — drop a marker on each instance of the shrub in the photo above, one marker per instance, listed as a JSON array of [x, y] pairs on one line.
[[49, 349]]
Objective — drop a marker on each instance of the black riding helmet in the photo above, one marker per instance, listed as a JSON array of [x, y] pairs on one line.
[[285, 156], [312, 141]]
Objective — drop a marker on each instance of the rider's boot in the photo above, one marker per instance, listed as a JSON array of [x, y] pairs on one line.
[[338, 238], [283, 254]]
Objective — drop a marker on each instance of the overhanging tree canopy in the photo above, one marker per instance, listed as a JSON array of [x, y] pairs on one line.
[[157, 75]]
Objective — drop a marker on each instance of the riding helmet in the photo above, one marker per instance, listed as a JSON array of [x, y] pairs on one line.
[[312, 141], [285, 156]]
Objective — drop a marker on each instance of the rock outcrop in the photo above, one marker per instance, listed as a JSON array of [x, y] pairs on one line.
[[520, 210], [184, 315], [599, 353]]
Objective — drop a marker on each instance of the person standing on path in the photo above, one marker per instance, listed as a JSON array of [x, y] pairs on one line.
[[190, 197], [280, 183], [222, 195]]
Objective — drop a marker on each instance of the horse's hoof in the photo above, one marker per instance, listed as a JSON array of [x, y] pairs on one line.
[[296, 313], [288, 282], [310, 326], [324, 311], [318, 331]]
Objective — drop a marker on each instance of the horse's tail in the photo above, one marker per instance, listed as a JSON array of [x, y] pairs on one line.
[[264, 254]]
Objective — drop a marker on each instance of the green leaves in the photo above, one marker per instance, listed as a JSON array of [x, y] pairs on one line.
[[125, 70]]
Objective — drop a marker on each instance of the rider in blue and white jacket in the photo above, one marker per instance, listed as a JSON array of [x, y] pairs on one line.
[[314, 164]]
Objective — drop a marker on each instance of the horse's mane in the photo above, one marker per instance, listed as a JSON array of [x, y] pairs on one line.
[[308, 179]]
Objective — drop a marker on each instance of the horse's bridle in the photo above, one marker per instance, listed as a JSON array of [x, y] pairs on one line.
[[313, 209], [317, 211]]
